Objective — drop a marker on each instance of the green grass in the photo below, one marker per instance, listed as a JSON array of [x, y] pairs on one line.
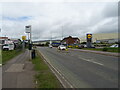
[[44, 77], [0, 57], [116, 50], [7, 55]]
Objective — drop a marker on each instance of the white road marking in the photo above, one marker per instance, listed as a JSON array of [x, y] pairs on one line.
[[91, 61]]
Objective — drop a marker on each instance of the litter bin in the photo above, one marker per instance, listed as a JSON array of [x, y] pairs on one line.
[[30, 46], [33, 54]]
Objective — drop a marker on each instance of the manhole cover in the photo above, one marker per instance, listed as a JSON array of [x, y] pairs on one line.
[[15, 68]]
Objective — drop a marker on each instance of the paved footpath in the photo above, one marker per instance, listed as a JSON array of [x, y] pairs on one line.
[[18, 72], [99, 52]]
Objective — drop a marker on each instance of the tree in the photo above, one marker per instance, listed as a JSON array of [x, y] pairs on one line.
[[83, 43], [47, 43]]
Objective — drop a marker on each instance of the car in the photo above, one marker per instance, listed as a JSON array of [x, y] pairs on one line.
[[114, 45], [50, 46], [8, 46], [62, 47], [85, 46], [81, 46], [93, 46]]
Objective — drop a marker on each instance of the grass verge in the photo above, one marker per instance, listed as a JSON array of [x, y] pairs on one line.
[[115, 50], [44, 76], [7, 55]]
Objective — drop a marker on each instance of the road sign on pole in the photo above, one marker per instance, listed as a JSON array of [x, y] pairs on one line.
[[28, 29], [23, 37], [23, 44]]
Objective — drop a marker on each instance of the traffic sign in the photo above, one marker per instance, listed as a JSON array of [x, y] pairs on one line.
[[28, 29], [23, 37]]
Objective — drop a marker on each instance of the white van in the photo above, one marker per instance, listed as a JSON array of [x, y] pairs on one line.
[[9, 46]]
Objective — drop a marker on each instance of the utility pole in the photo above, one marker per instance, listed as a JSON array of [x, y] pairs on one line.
[[62, 31], [51, 39], [62, 34]]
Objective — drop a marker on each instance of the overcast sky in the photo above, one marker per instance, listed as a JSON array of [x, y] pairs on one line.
[[49, 19]]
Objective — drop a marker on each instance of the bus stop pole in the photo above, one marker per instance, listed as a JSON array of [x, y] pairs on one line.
[[30, 42]]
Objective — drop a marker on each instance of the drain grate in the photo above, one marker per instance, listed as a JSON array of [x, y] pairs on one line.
[[15, 68]]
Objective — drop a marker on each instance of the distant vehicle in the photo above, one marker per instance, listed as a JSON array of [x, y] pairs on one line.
[[93, 46], [50, 46], [114, 45], [81, 46], [62, 47], [85, 46], [8, 46]]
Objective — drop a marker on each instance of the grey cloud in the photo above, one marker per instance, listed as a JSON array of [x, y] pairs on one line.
[[75, 18], [111, 10]]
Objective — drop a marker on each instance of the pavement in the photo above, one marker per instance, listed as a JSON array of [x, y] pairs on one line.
[[0, 77], [18, 72], [83, 69], [99, 52]]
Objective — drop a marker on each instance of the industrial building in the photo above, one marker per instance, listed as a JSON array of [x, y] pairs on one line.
[[103, 38]]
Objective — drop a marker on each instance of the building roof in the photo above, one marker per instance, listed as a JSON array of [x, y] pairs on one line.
[[3, 37], [70, 37]]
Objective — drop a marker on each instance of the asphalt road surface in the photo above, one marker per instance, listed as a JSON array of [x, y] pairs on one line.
[[84, 69]]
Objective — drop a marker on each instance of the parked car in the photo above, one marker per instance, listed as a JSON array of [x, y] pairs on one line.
[[8, 46], [50, 46], [81, 46], [93, 46], [85, 46], [62, 47], [114, 45]]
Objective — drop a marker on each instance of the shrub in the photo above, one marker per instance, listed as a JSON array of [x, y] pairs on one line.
[[105, 49]]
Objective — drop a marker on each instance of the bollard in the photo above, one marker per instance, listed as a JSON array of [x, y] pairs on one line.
[[33, 54]]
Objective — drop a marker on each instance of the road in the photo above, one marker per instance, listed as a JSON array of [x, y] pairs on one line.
[[84, 69]]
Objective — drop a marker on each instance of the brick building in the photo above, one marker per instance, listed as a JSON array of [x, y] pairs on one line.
[[71, 40]]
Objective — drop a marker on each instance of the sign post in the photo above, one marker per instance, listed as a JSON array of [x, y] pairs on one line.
[[23, 44], [89, 40], [28, 30]]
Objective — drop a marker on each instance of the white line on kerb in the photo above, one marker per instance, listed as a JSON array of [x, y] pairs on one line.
[[92, 61]]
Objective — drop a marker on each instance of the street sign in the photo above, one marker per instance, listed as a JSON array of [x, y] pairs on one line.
[[23, 37], [28, 29]]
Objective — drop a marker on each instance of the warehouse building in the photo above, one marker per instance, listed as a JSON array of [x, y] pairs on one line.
[[103, 38]]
